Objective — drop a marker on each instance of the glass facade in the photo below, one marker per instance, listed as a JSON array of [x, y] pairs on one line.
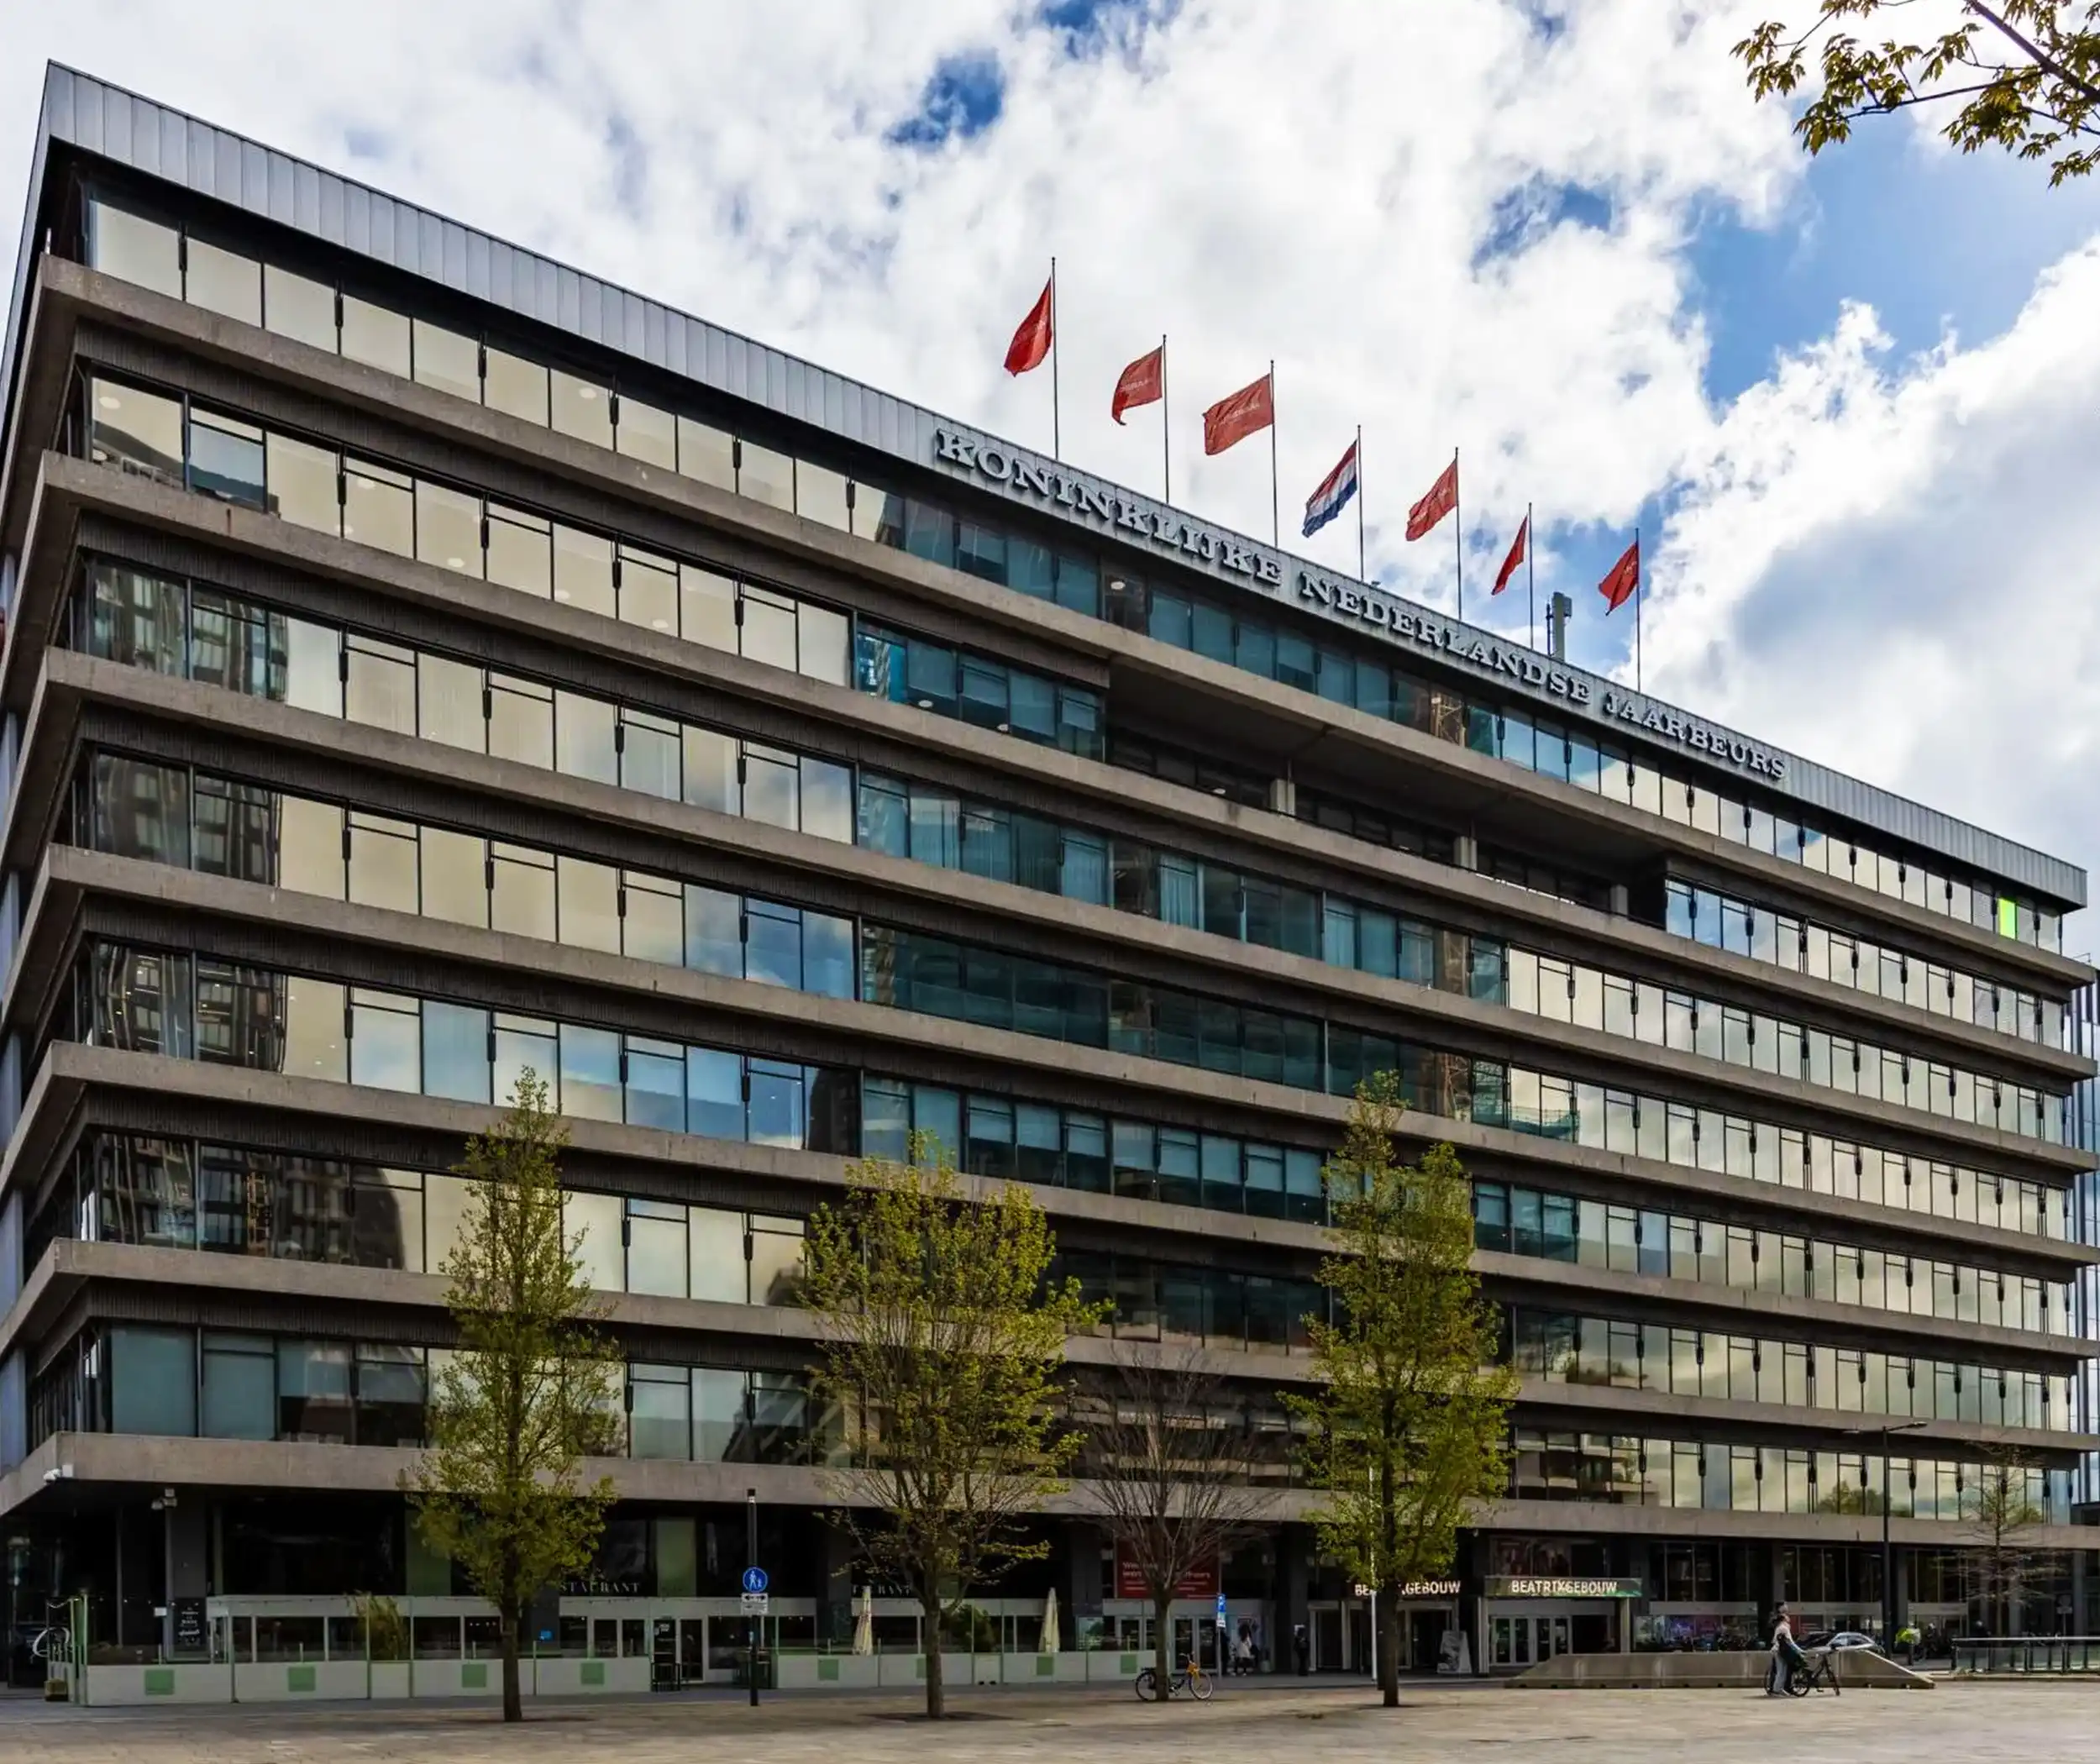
[[1001, 553], [640, 750], [1763, 1110]]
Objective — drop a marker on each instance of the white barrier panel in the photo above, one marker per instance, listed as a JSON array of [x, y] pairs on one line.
[[278, 1681], [829, 1672], [566, 1677]]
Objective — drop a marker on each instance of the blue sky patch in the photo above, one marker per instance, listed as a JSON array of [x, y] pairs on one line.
[[1535, 209], [962, 99], [1929, 240]]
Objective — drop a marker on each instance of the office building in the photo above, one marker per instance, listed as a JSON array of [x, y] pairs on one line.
[[424, 661]]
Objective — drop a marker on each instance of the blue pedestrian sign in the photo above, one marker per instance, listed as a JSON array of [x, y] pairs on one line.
[[1221, 1608], [755, 1580]]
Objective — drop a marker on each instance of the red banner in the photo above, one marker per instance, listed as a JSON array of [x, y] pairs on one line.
[[1201, 1582]]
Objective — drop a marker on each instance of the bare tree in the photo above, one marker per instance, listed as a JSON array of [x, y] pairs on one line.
[[1997, 1514], [1170, 1456]]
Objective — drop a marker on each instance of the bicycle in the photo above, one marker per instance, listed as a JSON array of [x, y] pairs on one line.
[[1817, 1672], [1191, 1677]]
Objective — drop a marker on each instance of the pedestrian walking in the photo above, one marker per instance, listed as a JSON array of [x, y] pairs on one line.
[[1780, 1671]]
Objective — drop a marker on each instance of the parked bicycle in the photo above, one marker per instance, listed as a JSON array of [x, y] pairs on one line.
[[1816, 1672], [1190, 1676]]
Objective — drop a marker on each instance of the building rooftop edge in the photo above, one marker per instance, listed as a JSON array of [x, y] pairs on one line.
[[93, 117]]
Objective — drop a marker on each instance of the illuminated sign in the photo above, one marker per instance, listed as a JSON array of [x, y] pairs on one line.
[[1561, 1586]]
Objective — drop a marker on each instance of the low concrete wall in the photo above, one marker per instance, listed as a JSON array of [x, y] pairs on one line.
[[1857, 1669], [271, 1681]]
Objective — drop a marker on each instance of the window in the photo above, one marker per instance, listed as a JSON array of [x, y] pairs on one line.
[[134, 249], [295, 307], [240, 1387], [377, 337], [313, 1391], [134, 431], [152, 1381], [446, 360], [226, 460]]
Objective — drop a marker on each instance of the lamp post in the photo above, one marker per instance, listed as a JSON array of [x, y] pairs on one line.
[[1888, 1549]]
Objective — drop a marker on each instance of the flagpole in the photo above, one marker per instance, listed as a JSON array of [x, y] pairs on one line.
[[1458, 532], [1638, 596], [1530, 579], [1166, 431], [1057, 436], [1363, 573], [1275, 517]]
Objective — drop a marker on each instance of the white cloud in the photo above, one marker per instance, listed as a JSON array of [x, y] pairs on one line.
[[1253, 179], [1889, 565]]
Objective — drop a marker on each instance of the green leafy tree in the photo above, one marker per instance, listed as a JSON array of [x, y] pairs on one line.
[[944, 1339], [531, 1391], [2020, 75], [1408, 1426]]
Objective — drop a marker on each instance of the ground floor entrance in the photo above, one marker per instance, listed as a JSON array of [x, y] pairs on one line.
[[1341, 1634], [1522, 1633]]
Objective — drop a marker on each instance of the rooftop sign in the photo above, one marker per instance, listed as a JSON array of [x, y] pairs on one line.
[[1170, 534]]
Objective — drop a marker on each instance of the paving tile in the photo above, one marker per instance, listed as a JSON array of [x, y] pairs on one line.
[[2045, 1723]]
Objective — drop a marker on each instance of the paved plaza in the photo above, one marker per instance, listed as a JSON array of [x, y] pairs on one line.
[[2050, 1723]]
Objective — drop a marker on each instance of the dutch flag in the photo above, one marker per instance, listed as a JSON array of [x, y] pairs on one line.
[[1333, 495]]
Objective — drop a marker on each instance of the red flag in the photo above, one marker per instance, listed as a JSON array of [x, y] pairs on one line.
[[1031, 342], [1144, 381], [1442, 498], [1515, 556], [1247, 411], [1624, 581]]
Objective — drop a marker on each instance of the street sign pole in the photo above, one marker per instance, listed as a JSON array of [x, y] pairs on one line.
[[752, 1571]]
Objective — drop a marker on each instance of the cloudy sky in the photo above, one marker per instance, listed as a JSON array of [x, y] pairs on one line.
[[1852, 406]]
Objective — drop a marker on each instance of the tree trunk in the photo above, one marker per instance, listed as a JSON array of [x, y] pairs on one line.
[[513, 1706], [1387, 1644], [1163, 1644], [936, 1687]]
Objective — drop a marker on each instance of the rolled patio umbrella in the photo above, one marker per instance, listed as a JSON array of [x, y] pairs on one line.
[[865, 1624], [1050, 1637]]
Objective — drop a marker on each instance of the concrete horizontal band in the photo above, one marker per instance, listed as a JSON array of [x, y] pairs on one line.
[[95, 1465], [63, 1103], [1668, 960], [861, 1035], [1049, 926]]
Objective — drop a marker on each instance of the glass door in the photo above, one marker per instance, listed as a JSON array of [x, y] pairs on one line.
[[1511, 1641], [1326, 1638]]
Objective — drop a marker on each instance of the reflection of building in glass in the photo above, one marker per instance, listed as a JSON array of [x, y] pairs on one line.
[[504, 673]]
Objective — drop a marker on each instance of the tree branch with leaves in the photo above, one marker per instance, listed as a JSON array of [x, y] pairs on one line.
[[2022, 75], [532, 1390], [1409, 1427], [944, 1342], [1169, 1457]]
